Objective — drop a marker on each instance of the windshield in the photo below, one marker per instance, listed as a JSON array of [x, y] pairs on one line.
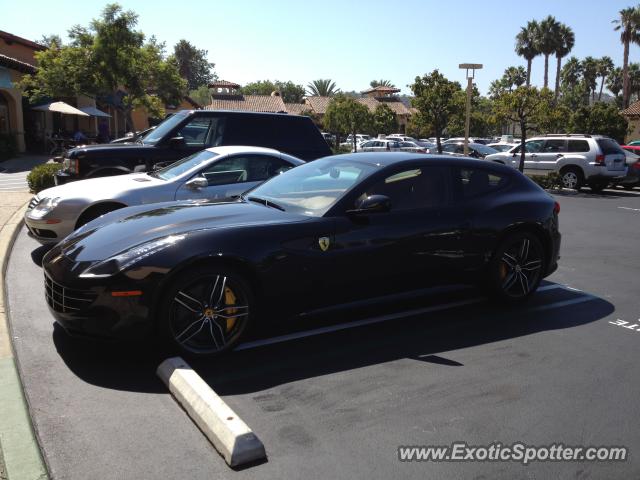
[[183, 165], [313, 188], [154, 136], [484, 150]]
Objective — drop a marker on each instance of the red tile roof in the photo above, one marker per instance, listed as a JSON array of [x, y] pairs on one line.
[[251, 103], [223, 84], [634, 109], [370, 103], [382, 89], [10, 37], [15, 64], [319, 104], [396, 105], [297, 108]]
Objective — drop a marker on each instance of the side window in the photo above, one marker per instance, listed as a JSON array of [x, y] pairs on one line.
[[230, 170], [578, 146], [425, 187], [533, 146], [554, 146], [449, 147], [260, 168], [471, 182], [460, 149], [203, 132]]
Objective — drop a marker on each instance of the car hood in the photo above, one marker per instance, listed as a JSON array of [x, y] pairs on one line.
[[101, 188], [106, 148], [125, 228]]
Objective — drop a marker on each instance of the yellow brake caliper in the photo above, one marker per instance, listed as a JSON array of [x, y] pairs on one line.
[[230, 299]]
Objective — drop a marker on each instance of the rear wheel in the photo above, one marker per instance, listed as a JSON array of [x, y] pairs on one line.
[[572, 177], [516, 269], [205, 311]]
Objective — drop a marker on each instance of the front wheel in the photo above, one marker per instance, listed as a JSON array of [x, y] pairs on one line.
[[205, 311], [516, 269]]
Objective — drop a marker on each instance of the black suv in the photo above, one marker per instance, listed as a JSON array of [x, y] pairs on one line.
[[190, 131]]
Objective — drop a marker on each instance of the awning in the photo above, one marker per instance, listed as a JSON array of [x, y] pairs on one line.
[[61, 107], [94, 112]]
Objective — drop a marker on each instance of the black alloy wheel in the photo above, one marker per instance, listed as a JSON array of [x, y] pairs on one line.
[[517, 267], [206, 311]]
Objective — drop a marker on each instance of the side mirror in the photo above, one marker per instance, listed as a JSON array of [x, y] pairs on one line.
[[371, 204], [196, 183], [176, 142]]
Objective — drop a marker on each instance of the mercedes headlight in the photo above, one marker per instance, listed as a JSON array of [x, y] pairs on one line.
[[43, 207], [128, 258]]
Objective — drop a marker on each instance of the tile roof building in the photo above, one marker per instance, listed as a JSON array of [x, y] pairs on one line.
[[632, 114]]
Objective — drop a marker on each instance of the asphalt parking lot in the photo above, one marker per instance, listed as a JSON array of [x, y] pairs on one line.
[[452, 367]]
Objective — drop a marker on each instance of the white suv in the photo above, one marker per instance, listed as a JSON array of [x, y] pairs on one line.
[[593, 160]]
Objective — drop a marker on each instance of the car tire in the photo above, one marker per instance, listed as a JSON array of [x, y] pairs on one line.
[[205, 311], [516, 268], [572, 177]]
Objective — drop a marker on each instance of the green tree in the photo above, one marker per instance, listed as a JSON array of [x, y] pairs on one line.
[[590, 76], [51, 41], [289, 91], [548, 41], [201, 95], [384, 120], [600, 118], [571, 73], [108, 55], [565, 42], [381, 83], [526, 106], [437, 100], [345, 116], [193, 65], [628, 24], [614, 84], [527, 45], [604, 68], [261, 87], [634, 81], [512, 77], [323, 87]]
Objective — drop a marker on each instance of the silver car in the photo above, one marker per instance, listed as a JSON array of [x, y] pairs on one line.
[[214, 173]]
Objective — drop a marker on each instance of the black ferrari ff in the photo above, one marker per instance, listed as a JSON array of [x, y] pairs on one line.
[[335, 230]]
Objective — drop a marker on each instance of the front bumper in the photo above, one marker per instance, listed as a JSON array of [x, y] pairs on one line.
[[87, 307]]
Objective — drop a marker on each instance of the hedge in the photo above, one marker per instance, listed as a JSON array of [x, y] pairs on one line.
[[42, 176], [551, 180]]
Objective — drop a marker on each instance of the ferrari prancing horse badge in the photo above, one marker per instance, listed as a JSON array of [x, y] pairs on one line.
[[324, 243]]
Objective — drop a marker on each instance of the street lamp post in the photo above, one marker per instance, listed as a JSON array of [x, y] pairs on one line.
[[473, 67]]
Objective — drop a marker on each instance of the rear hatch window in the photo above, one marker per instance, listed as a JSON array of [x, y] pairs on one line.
[[613, 154]]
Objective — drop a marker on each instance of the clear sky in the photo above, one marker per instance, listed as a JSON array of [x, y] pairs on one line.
[[351, 42]]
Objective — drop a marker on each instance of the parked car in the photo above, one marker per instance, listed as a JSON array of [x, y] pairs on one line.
[[341, 229], [400, 137], [380, 145], [190, 131], [412, 147], [214, 173], [502, 147], [133, 137], [632, 179], [635, 143], [482, 141], [476, 150], [579, 159]]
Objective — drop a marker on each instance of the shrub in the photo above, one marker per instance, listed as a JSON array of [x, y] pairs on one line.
[[342, 149], [549, 181], [41, 177], [8, 146]]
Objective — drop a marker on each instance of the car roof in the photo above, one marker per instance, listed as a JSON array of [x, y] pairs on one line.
[[388, 159], [231, 149]]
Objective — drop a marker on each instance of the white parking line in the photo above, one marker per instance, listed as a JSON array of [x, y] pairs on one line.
[[629, 208], [407, 313]]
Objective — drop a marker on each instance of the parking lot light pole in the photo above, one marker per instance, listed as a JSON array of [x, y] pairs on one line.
[[473, 67]]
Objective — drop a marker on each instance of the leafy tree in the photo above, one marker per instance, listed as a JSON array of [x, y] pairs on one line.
[[600, 118], [571, 73], [437, 100], [108, 55], [345, 116], [381, 83], [548, 42], [527, 45], [261, 87], [51, 41], [201, 95], [323, 87], [590, 75], [289, 91], [628, 24], [566, 40], [634, 81], [526, 106], [193, 65], [384, 120], [512, 77], [614, 84]]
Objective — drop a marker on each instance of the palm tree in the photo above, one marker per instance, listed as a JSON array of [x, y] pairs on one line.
[[614, 81], [322, 88], [571, 72], [628, 25], [548, 40], [381, 83], [605, 67], [566, 40], [634, 81], [515, 76], [527, 45], [590, 75]]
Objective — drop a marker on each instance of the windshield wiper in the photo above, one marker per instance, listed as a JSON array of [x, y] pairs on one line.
[[265, 202]]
